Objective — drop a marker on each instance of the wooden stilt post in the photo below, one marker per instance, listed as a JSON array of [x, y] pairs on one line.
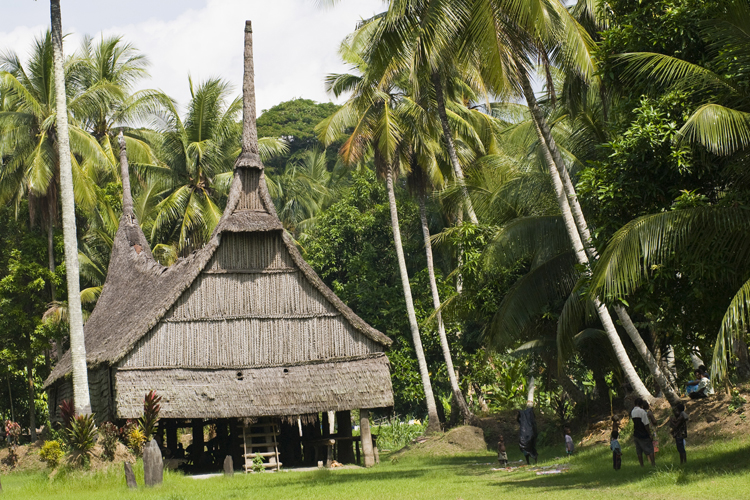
[[198, 442], [364, 431], [344, 422], [172, 436]]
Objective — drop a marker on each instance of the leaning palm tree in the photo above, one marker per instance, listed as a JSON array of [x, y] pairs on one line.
[[373, 115], [687, 235], [546, 27], [81, 397]]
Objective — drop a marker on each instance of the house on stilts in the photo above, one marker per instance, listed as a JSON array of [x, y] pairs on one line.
[[242, 335]]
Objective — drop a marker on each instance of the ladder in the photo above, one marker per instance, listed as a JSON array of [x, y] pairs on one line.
[[261, 439]]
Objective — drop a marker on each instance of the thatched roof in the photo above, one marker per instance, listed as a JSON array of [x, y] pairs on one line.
[[139, 291]]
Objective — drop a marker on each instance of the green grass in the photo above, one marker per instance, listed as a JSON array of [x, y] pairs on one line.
[[719, 470]]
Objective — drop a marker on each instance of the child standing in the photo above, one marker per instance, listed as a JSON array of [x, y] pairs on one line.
[[678, 425], [502, 456], [614, 445], [569, 446]]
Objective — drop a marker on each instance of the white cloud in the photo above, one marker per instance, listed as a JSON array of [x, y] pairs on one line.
[[295, 44]]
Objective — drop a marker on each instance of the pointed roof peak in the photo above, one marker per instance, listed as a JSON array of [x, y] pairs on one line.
[[250, 156]]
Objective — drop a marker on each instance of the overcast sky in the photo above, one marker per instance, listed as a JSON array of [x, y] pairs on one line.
[[295, 42]]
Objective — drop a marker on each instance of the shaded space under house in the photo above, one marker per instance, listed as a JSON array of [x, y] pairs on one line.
[[242, 334]]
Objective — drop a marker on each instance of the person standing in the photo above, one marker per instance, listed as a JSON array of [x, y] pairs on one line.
[[678, 425], [569, 446], [502, 455], [614, 445], [641, 434], [527, 433]]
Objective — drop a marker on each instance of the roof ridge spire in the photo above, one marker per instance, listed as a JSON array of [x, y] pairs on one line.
[[249, 157], [127, 196]]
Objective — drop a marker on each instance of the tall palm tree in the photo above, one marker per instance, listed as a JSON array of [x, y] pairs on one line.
[[81, 397], [373, 115]]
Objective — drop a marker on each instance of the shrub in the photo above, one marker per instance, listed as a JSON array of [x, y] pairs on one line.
[[258, 464], [109, 434], [151, 409], [135, 438], [81, 439], [13, 434], [51, 453]]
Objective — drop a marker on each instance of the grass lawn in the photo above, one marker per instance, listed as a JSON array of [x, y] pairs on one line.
[[719, 470]]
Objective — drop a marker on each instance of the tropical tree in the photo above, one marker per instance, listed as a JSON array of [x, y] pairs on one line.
[[77, 345], [305, 188], [374, 115], [31, 163], [199, 149]]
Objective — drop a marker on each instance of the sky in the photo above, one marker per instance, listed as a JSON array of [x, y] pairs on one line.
[[295, 42]]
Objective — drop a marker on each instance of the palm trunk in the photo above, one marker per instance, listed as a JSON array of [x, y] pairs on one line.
[[457, 171], [546, 139], [530, 392], [457, 395], [77, 345], [51, 258], [575, 238], [32, 395], [434, 420]]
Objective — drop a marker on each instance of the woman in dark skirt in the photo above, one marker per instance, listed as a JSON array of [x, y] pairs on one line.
[[528, 433]]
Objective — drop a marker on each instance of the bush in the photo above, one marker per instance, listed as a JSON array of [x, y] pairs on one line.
[[51, 453], [109, 434], [135, 438], [81, 439], [151, 409]]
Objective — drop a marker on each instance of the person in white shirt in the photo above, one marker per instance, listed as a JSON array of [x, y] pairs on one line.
[[641, 434], [569, 446], [704, 387]]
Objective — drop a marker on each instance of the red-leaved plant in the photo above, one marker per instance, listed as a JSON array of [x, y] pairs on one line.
[[67, 413], [151, 409]]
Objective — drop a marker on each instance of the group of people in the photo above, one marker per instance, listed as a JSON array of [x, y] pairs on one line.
[[644, 433], [644, 429]]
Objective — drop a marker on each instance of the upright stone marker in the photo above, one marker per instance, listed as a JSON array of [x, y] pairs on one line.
[[130, 476], [153, 467], [228, 466]]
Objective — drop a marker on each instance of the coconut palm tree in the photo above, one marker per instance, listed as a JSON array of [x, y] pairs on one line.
[[374, 116], [305, 188], [81, 397], [199, 149], [29, 138]]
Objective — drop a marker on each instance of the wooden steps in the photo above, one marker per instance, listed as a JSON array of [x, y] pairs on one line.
[[261, 440]]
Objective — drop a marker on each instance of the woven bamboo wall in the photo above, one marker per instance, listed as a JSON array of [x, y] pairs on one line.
[[250, 199], [251, 306], [240, 294], [99, 392], [293, 390], [248, 342]]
